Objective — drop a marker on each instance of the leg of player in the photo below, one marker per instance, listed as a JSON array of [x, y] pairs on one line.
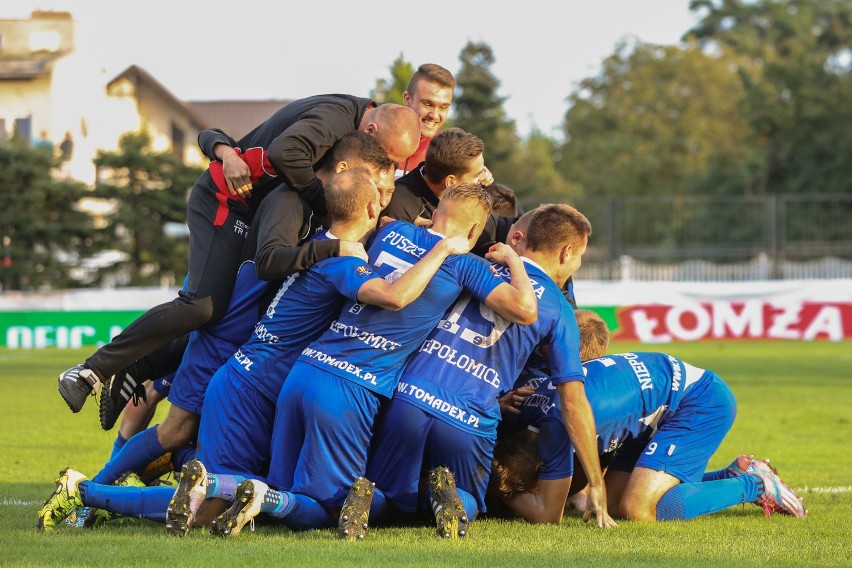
[[177, 430], [137, 417], [643, 491], [758, 484], [73, 491], [253, 497]]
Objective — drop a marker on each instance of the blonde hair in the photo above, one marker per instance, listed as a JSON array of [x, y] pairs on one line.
[[594, 334]]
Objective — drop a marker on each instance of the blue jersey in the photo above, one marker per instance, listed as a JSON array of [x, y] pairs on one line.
[[631, 395], [369, 345], [474, 354], [301, 310]]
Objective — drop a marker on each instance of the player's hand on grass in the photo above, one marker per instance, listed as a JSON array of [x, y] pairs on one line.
[[512, 401], [456, 245], [348, 248], [237, 174], [596, 503]]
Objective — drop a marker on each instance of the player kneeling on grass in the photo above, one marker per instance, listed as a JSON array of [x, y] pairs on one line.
[[444, 414], [661, 419]]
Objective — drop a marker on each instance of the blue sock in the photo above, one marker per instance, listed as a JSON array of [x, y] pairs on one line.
[[471, 508], [223, 485], [718, 474], [379, 506], [302, 513], [690, 500], [181, 456], [117, 445], [274, 502], [137, 453], [140, 502]]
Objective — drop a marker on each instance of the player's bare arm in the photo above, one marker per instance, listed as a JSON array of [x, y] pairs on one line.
[[545, 505], [580, 423], [515, 300], [409, 286]]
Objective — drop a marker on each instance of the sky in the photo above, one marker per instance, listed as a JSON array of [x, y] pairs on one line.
[[252, 49]]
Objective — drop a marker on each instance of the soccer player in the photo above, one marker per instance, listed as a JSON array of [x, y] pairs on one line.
[[445, 410], [663, 419], [236, 425], [454, 156], [290, 144], [282, 224], [327, 406], [355, 205], [284, 220]]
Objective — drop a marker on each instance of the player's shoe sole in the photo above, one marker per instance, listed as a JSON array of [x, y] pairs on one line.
[[355, 512], [450, 518], [191, 491], [777, 496], [75, 386], [63, 501], [246, 507], [116, 392]]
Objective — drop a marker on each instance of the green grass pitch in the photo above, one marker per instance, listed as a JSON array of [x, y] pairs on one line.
[[795, 406]]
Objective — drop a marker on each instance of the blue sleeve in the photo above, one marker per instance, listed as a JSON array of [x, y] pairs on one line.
[[347, 274], [564, 348], [555, 451], [476, 275]]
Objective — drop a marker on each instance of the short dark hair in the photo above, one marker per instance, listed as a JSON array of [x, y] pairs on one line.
[[449, 153], [504, 198], [434, 74], [360, 146], [553, 225]]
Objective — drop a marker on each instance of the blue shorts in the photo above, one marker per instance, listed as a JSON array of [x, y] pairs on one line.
[[323, 425], [203, 356], [686, 440], [409, 442], [236, 427], [164, 384]]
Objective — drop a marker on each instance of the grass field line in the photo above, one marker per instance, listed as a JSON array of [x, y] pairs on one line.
[[19, 503]]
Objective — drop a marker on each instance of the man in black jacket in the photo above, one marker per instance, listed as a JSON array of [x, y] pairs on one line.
[[287, 147]]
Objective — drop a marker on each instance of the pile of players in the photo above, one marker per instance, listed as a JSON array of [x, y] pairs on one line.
[[350, 347]]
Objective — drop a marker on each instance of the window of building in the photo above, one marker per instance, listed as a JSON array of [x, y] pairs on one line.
[[24, 128]]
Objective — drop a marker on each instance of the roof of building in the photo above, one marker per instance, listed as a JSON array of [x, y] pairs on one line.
[[236, 118], [139, 76]]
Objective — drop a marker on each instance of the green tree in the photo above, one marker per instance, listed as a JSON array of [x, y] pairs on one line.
[[148, 189], [536, 179], [400, 72], [478, 109], [658, 120], [43, 234], [798, 85]]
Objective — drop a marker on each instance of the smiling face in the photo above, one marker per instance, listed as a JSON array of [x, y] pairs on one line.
[[431, 101]]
